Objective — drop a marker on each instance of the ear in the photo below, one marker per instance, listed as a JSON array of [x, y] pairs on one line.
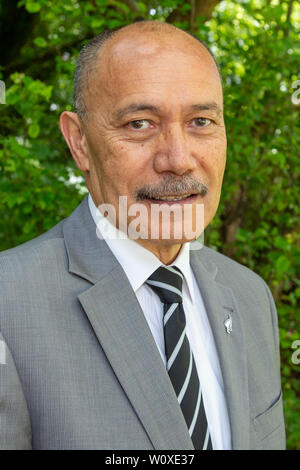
[[71, 129]]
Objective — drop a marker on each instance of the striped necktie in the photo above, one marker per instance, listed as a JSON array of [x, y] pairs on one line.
[[166, 282]]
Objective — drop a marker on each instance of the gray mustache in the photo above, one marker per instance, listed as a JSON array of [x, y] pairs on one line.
[[172, 186]]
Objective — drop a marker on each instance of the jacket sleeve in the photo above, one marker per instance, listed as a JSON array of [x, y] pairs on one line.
[[274, 318], [15, 429]]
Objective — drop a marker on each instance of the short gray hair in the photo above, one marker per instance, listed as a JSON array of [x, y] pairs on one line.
[[87, 62]]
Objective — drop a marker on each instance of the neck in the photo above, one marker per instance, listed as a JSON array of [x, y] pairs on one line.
[[165, 253]]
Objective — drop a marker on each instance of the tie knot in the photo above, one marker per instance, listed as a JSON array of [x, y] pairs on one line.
[[166, 282]]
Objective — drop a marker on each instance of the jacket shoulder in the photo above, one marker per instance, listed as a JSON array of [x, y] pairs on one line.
[[229, 270], [54, 232], [22, 258]]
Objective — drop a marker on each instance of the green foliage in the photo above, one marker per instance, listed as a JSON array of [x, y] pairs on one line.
[[258, 223]]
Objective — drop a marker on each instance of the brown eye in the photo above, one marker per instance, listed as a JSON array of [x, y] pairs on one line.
[[139, 124], [201, 122]]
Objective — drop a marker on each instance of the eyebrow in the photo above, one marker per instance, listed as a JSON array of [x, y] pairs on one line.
[[207, 107], [134, 107]]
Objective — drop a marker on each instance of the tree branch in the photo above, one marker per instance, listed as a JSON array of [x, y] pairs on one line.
[[288, 18], [199, 8], [205, 8], [289, 12], [132, 4]]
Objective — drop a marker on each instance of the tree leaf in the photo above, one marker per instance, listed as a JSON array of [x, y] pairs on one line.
[[32, 6], [34, 130]]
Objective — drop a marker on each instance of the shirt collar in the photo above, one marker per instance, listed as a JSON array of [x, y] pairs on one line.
[[137, 262]]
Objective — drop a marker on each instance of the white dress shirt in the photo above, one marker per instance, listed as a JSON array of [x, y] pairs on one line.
[[138, 264]]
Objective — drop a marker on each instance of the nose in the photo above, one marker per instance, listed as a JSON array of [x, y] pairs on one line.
[[173, 152]]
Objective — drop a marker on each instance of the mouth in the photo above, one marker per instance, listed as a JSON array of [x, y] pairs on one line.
[[176, 198]]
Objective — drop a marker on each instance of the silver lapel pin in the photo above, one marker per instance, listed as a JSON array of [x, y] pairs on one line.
[[228, 324]]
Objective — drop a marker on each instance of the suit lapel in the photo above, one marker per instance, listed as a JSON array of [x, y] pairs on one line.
[[220, 303], [123, 332]]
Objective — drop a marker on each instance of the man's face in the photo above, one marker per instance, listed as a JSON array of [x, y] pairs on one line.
[[148, 133]]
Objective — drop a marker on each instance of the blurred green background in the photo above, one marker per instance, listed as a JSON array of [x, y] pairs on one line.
[[256, 43]]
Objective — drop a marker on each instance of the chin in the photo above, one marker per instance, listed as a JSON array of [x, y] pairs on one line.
[[169, 236]]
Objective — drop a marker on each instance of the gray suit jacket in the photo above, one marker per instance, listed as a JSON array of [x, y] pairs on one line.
[[82, 370]]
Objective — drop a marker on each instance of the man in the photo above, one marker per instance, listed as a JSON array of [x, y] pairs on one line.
[[139, 342]]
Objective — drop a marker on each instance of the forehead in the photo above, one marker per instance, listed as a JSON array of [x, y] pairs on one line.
[[165, 67]]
